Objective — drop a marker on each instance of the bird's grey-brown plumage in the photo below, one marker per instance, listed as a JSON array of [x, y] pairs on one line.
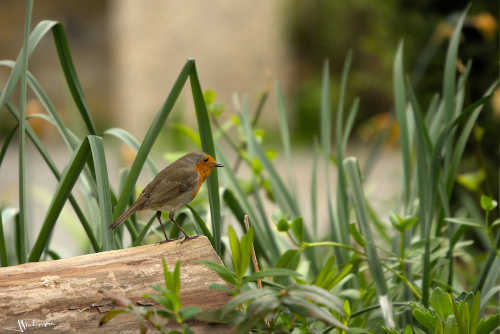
[[164, 189]]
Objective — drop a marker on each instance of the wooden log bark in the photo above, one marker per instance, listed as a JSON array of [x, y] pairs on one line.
[[63, 295]]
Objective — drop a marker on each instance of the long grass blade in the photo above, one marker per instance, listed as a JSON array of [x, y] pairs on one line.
[[36, 35], [374, 264], [284, 197], [353, 112], [53, 168], [138, 241], [285, 134], [62, 192], [23, 194], [342, 208], [432, 190], [6, 142], [201, 225], [400, 107], [103, 190], [71, 77], [325, 139], [313, 191], [207, 143], [131, 141]]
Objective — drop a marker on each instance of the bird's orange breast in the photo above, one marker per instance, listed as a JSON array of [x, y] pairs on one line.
[[203, 172]]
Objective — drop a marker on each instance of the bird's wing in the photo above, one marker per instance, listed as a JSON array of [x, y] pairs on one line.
[[169, 184]]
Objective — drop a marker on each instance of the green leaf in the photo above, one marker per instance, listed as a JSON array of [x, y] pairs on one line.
[[103, 190], [201, 225], [318, 295], [466, 222], [440, 301], [245, 251], [133, 143], [401, 116], [298, 229], [177, 278], [189, 312], [144, 231], [306, 309], [167, 276], [488, 203], [474, 313], [188, 133], [62, 192], [52, 166], [71, 76], [488, 324], [272, 272], [6, 143], [356, 235], [207, 144], [282, 225], [209, 96], [110, 315], [222, 271], [235, 250], [244, 298], [289, 260], [328, 269], [425, 318]]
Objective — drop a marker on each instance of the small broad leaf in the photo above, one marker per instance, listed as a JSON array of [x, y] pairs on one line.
[[235, 249], [188, 312], [246, 245], [440, 301], [356, 235], [222, 271], [298, 229], [496, 222], [169, 278], [282, 225], [488, 203], [425, 318], [328, 269], [489, 324], [177, 278], [408, 330], [290, 260], [209, 96]]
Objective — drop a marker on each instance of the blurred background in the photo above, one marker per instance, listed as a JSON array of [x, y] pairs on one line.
[[128, 53]]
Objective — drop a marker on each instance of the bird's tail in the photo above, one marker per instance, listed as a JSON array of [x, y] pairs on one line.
[[136, 206]]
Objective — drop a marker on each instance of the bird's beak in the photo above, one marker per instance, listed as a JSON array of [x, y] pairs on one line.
[[218, 164]]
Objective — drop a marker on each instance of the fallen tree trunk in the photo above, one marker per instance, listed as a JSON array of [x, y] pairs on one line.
[[62, 296]]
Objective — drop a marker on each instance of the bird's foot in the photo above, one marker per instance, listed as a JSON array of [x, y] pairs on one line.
[[165, 241], [187, 237]]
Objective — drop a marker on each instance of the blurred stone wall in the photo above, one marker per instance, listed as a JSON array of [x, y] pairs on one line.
[[86, 25], [237, 45]]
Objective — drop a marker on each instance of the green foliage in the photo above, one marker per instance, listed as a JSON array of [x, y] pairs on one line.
[[447, 314], [170, 309]]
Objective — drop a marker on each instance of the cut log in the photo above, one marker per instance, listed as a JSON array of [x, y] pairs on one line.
[[64, 295]]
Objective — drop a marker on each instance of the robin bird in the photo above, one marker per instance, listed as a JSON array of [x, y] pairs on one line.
[[175, 186]]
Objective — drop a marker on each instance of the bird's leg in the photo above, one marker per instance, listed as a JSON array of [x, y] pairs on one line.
[[158, 216], [186, 237]]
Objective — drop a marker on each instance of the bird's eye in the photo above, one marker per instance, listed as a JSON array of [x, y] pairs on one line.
[[206, 159]]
